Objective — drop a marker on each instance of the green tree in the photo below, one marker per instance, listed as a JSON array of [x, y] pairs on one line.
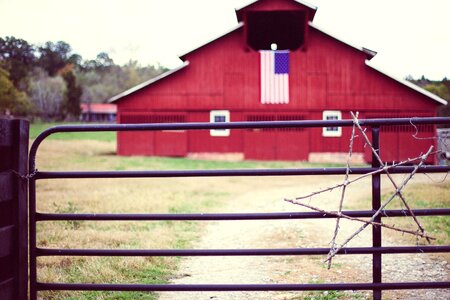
[[438, 89], [101, 63], [17, 57], [102, 78], [12, 101], [72, 95], [53, 57], [442, 91]]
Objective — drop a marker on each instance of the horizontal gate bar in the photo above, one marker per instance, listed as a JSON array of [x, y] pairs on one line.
[[238, 252], [225, 173], [240, 287], [241, 125], [235, 216]]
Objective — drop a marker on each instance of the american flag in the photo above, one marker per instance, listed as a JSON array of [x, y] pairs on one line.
[[274, 77]]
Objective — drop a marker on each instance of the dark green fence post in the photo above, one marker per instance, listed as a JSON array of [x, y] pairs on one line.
[[13, 209], [376, 204]]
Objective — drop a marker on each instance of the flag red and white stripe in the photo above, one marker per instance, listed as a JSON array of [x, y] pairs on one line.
[[274, 77]]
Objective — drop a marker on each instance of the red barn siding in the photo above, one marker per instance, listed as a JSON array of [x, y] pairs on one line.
[[202, 141]]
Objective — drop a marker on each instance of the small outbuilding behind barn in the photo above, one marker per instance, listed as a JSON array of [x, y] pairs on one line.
[[98, 112]]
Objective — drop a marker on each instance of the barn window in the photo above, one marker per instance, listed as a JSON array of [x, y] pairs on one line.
[[285, 29], [330, 115], [219, 116]]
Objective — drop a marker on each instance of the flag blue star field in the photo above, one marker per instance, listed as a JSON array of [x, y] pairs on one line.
[[274, 77]]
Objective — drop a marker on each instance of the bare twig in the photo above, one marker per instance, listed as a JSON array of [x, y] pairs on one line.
[[397, 192], [381, 170], [368, 222], [344, 188], [355, 121], [437, 181]]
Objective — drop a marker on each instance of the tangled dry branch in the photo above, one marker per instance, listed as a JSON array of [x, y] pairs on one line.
[[384, 169]]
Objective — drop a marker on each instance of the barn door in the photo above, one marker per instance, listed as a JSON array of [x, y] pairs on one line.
[[171, 142], [276, 143], [292, 143], [260, 144], [159, 143], [135, 142]]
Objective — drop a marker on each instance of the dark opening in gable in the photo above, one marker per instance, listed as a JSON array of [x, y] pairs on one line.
[[286, 29]]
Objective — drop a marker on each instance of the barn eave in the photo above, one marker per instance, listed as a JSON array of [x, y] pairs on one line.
[[298, 1], [409, 84], [304, 3], [147, 83], [240, 25], [369, 53]]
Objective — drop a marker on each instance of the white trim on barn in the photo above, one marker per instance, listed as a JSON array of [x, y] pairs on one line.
[[148, 82], [219, 116], [369, 52], [332, 115], [298, 1], [409, 84], [372, 53], [240, 24]]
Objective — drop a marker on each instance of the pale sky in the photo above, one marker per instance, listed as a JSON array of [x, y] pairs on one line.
[[410, 36]]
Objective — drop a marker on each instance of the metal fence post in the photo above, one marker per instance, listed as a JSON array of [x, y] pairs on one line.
[[376, 203], [13, 209]]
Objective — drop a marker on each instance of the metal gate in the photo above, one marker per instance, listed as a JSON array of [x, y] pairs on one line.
[[377, 250]]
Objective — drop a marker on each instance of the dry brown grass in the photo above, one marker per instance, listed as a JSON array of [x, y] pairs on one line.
[[175, 195]]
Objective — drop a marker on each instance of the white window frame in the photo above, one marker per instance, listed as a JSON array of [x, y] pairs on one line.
[[331, 131], [212, 116]]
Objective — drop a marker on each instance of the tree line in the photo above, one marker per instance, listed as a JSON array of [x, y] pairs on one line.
[[440, 88], [49, 81]]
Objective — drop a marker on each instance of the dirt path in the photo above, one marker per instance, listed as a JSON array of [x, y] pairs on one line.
[[297, 233]]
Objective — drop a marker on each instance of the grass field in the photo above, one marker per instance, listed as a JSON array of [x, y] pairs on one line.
[[37, 128], [427, 195], [96, 151], [114, 196]]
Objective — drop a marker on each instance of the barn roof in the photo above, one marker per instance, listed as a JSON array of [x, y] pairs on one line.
[[241, 24], [148, 82], [409, 84], [298, 1], [100, 108], [369, 54]]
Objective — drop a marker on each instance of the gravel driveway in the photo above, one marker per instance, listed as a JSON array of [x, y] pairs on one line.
[[298, 233]]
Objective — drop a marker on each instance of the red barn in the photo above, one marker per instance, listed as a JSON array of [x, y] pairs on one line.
[[276, 64]]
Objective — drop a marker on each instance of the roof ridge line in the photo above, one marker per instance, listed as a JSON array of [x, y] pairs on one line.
[[408, 84], [148, 82]]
